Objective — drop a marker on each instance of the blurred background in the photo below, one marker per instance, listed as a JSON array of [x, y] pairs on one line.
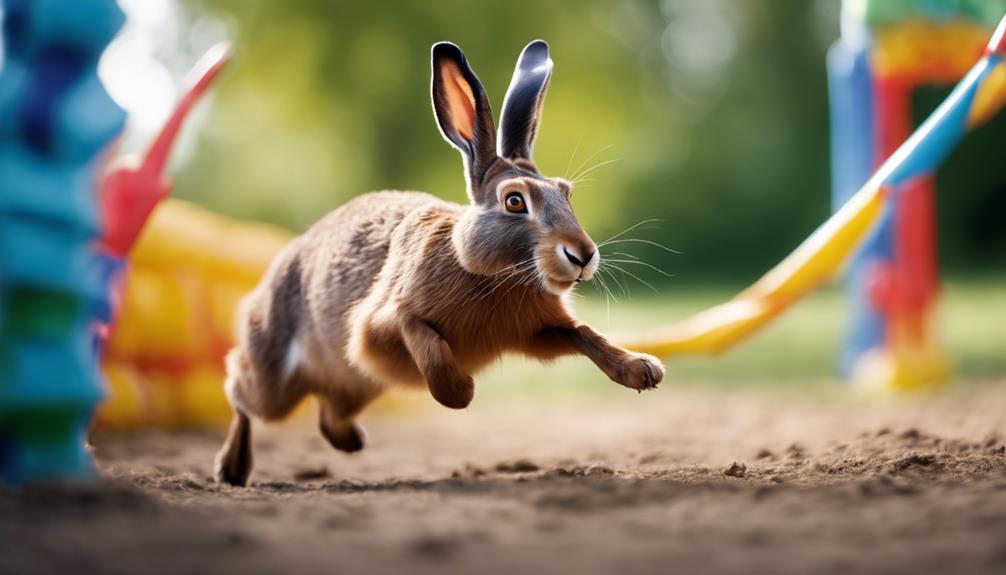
[[710, 117]]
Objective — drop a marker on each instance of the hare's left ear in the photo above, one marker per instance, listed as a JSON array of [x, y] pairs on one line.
[[522, 105], [462, 110]]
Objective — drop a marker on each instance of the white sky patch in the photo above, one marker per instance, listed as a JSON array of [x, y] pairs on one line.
[[131, 69], [144, 68]]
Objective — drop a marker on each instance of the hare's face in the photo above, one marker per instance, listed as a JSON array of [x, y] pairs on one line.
[[520, 223], [523, 225]]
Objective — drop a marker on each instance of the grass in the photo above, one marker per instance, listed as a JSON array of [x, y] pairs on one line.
[[798, 349]]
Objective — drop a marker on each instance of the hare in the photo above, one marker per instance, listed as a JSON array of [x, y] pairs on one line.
[[404, 288]]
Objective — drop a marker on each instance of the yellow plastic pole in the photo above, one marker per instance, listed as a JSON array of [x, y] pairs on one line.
[[976, 98]]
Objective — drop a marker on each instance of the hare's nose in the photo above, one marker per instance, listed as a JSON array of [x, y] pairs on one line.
[[577, 260]]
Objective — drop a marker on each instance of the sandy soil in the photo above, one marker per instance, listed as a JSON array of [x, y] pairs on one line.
[[681, 480]]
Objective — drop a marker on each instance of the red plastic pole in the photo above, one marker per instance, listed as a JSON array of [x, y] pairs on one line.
[[130, 192]]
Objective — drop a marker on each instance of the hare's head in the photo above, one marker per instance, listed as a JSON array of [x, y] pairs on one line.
[[520, 221]]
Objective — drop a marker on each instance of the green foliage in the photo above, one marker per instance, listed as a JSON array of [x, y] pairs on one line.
[[716, 112], [796, 351], [881, 12]]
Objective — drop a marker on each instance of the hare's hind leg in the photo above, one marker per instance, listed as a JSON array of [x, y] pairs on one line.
[[251, 393], [337, 417], [233, 463]]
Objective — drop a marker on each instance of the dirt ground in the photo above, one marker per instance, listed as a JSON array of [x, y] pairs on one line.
[[677, 480]]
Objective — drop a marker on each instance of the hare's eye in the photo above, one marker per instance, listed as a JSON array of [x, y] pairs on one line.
[[515, 203]]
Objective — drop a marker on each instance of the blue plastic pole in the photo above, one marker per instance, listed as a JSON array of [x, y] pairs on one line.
[[55, 120]]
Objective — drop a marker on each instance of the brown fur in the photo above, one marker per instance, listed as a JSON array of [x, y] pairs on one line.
[[401, 287]]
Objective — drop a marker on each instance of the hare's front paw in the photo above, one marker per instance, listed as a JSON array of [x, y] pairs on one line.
[[640, 371], [455, 391]]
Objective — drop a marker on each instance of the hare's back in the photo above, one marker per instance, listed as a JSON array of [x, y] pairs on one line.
[[355, 237], [347, 248]]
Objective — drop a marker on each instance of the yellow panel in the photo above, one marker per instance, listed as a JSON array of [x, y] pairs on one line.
[[989, 98], [201, 399], [183, 235], [125, 404], [928, 52], [156, 317], [164, 358]]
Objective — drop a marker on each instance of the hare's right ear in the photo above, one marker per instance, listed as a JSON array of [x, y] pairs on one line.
[[463, 113], [522, 104]]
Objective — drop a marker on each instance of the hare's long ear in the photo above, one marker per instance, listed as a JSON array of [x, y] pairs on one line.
[[522, 105], [463, 112]]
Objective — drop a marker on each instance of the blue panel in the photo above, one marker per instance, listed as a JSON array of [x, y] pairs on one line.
[[851, 98], [867, 327], [87, 120], [104, 271], [51, 373], [32, 456], [32, 188], [54, 71], [83, 25], [58, 107], [37, 254], [852, 156], [13, 77]]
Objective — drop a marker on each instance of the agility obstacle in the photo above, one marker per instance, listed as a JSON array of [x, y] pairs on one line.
[[978, 96]]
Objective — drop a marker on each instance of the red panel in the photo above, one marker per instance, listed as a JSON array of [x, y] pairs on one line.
[[907, 287], [892, 115], [915, 254]]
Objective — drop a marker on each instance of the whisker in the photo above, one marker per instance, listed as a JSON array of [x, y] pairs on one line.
[[569, 164], [603, 288], [588, 160], [607, 295], [628, 229], [611, 275], [527, 280], [637, 262], [604, 285], [607, 305], [621, 286], [529, 283], [624, 255], [596, 166], [496, 280], [634, 276], [523, 294], [641, 241], [477, 286], [514, 273], [513, 286]]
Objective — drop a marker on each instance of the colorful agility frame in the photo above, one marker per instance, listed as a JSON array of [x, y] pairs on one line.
[[887, 50], [979, 95]]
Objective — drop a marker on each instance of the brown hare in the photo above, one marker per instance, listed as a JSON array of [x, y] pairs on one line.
[[405, 288]]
